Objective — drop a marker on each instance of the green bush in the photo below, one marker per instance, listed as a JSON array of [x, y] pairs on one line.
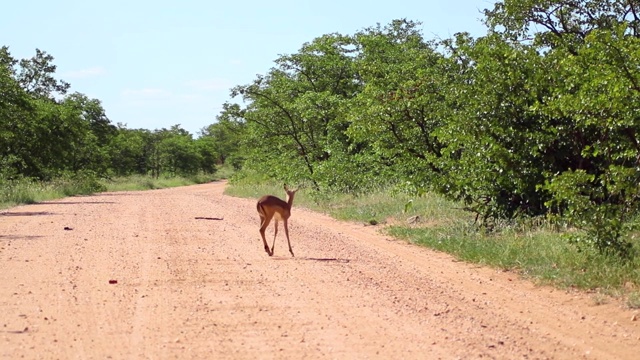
[[80, 183], [602, 208], [17, 191]]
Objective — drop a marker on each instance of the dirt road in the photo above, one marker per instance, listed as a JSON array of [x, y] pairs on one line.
[[181, 273]]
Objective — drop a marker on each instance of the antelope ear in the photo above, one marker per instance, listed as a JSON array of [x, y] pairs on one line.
[[286, 188]]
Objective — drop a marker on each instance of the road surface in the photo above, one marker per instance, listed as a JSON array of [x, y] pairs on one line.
[[182, 274]]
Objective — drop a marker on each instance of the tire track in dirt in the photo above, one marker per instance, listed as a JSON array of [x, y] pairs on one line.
[[193, 281]]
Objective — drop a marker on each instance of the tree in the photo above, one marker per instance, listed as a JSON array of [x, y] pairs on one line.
[[42, 135], [15, 112], [590, 50], [601, 96], [179, 154], [127, 151], [402, 103], [36, 76], [94, 115], [562, 22], [93, 133], [225, 136], [292, 111]]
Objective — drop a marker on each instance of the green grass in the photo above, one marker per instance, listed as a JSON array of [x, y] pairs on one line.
[[633, 300], [139, 182], [540, 255], [532, 249], [225, 171], [25, 191], [28, 191]]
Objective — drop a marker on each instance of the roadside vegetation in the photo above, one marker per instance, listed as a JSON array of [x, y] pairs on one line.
[[29, 191], [533, 248], [519, 149]]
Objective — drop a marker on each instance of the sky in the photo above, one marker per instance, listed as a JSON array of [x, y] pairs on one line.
[[155, 64]]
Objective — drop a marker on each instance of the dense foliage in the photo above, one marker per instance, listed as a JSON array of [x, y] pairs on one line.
[[537, 118], [46, 133]]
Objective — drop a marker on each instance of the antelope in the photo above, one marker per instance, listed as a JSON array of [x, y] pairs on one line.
[[272, 207]]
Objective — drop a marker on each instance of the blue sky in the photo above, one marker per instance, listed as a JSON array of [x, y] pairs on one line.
[[154, 64]]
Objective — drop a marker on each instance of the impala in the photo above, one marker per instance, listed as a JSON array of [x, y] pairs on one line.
[[272, 207]]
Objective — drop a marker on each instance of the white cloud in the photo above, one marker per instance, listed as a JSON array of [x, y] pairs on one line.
[[86, 73]]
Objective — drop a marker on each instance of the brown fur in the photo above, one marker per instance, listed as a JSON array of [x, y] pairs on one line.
[[273, 208]]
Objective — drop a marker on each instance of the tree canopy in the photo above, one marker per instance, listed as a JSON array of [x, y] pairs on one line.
[[46, 132]]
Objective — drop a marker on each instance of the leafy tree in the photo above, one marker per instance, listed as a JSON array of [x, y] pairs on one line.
[[93, 132], [36, 76], [562, 22], [46, 133], [497, 145], [205, 147], [43, 136], [179, 154], [601, 97], [94, 115], [225, 136], [15, 111], [291, 111], [127, 151], [590, 49], [394, 117]]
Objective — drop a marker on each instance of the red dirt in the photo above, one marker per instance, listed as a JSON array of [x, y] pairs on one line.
[[182, 273]]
